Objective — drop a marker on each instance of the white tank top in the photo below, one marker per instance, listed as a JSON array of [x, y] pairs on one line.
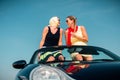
[[76, 41]]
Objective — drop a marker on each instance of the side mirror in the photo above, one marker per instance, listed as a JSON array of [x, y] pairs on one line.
[[19, 64]]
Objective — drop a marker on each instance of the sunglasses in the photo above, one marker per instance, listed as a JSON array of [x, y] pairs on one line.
[[66, 21]]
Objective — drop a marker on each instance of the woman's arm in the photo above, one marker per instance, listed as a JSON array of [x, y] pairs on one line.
[[61, 35], [84, 33], [44, 33], [84, 37], [66, 36]]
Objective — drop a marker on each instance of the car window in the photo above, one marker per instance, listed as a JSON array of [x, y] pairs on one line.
[[36, 60], [66, 54], [101, 55], [97, 53]]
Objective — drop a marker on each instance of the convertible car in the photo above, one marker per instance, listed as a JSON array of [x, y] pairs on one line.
[[104, 65]]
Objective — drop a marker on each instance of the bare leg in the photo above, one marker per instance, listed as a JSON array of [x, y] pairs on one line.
[[61, 58], [88, 58], [78, 57], [51, 58]]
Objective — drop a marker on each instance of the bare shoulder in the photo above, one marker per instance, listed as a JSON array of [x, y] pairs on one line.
[[46, 28], [82, 27]]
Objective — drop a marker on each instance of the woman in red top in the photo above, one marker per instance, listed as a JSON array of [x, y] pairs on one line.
[[76, 35]]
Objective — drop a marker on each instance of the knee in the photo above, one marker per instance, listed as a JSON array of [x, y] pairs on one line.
[[89, 58], [51, 58], [61, 58], [79, 57]]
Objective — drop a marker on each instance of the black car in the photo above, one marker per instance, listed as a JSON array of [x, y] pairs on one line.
[[104, 65]]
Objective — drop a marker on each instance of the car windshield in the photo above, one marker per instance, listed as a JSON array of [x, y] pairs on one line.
[[98, 54]]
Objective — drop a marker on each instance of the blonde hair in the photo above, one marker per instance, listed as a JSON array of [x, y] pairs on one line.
[[54, 21]]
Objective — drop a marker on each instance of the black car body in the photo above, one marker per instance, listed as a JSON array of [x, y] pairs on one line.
[[105, 65]]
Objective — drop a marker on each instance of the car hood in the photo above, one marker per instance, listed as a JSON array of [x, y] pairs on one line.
[[94, 71], [83, 71]]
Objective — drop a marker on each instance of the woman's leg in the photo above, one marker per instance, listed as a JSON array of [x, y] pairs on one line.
[[78, 57], [51, 58]]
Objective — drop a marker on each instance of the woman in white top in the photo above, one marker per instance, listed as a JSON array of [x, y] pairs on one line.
[[76, 35]]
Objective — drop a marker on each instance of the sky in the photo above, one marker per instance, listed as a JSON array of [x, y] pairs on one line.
[[22, 22]]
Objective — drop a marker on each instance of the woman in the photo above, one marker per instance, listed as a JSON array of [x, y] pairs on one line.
[[52, 36], [76, 35]]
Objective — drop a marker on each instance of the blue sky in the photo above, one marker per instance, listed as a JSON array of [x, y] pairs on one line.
[[22, 21]]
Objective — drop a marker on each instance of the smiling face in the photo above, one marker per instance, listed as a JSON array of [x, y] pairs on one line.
[[71, 21]]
